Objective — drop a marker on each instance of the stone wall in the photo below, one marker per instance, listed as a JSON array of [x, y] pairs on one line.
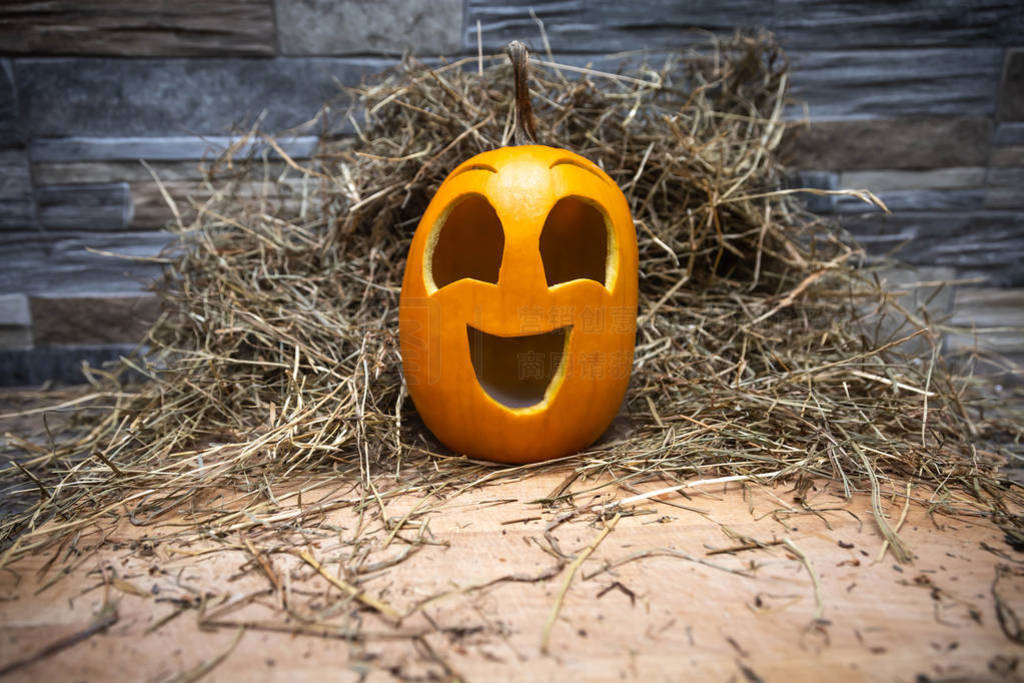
[[922, 102]]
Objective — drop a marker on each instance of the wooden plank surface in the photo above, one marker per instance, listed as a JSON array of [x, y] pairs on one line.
[[680, 612]]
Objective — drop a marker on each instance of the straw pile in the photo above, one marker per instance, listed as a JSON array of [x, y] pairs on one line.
[[765, 351]]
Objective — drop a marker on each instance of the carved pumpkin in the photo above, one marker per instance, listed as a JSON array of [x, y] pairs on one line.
[[518, 306]]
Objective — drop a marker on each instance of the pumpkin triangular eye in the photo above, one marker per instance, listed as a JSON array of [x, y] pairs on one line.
[[574, 242], [468, 244]]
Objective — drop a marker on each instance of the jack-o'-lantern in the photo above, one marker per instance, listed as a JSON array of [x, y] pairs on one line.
[[518, 305]]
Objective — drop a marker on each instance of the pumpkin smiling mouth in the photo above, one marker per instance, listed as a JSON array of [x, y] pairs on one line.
[[518, 371]]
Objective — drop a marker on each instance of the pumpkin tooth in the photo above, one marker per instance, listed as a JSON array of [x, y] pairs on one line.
[[518, 371]]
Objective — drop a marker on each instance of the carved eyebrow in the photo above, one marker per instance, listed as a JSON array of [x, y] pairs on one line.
[[475, 167], [577, 164]]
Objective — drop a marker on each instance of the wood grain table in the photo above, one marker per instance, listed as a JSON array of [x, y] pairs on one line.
[[675, 591]]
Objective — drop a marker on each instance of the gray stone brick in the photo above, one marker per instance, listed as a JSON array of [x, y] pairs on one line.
[[31, 367], [11, 132], [819, 180], [17, 214], [14, 310], [1005, 188], [151, 209], [932, 179], [831, 24], [61, 263], [348, 27], [85, 207], [15, 179], [137, 27], [1009, 133], [901, 143], [986, 307], [1011, 155], [181, 148], [1011, 88], [978, 311], [889, 83], [604, 26], [917, 200], [15, 337], [1006, 177], [15, 321], [93, 97], [103, 172], [987, 244], [92, 319]]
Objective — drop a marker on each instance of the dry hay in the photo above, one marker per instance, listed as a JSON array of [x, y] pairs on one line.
[[766, 350]]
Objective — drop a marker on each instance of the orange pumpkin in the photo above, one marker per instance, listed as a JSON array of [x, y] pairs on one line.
[[518, 306]]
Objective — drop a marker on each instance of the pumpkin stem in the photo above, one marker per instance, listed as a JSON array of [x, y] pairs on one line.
[[524, 130]]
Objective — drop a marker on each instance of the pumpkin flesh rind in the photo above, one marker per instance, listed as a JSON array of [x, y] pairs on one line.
[[433, 322]]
